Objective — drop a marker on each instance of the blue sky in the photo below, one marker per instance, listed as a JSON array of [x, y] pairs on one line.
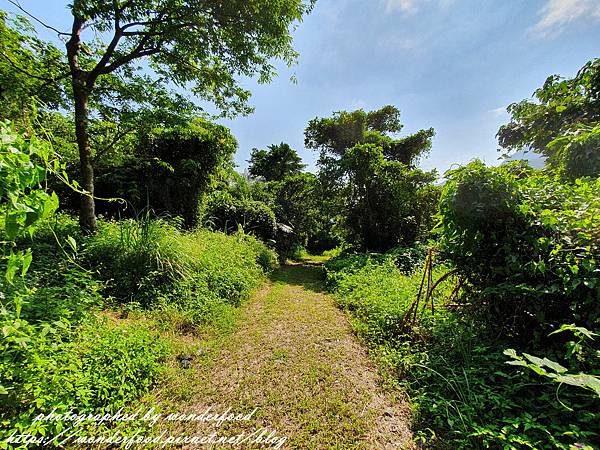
[[449, 64]]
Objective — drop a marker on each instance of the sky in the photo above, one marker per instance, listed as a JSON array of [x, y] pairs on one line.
[[453, 65]]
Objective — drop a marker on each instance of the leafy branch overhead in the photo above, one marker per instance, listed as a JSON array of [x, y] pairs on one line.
[[199, 42], [152, 45]]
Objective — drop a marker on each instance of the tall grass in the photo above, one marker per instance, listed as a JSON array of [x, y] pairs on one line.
[[190, 278], [57, 351]]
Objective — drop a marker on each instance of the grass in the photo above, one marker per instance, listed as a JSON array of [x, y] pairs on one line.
[[293, 357], [463, 393], [98, 315]]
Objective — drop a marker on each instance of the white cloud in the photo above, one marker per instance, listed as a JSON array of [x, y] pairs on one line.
[[410, 7], [558, 14], [499, 112], [404, 6]]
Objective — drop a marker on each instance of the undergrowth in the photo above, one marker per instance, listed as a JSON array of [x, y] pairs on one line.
[[463, 393], [59, 352]]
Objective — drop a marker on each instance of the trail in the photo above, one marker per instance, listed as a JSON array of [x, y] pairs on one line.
[[293, 356]]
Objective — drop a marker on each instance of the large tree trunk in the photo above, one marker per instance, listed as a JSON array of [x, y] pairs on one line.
[[87, 209]]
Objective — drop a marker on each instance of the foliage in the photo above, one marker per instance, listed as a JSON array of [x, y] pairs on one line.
[[345, 263], [296, 204], [26, 64], [49, 336], [226, 213], [236, 40], [152, 264], [332, 136], [387, 203], [194, 155], [23, 201], [169, 172], [97, 366], [453, 369], [561, 110], [370, 186], [578, 352], [276, 163], [379, 298], [184, 44], [578, 153], [527, 244]]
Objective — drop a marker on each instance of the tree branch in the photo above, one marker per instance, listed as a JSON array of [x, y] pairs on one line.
[[116, 138], [17, 4], [110, 50], [130, 57]]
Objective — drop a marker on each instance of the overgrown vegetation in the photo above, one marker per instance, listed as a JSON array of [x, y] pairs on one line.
[[56, 281], [503, 352], [479, 297]]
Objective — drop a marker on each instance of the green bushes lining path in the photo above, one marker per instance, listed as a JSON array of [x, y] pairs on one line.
[[153, 263], [54, 337], [512, 361], [527, 244], [463, 393]]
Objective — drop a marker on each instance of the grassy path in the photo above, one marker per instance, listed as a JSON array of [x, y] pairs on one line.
[[292, 356]]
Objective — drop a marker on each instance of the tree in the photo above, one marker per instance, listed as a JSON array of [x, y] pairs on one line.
[[196, 44], [387, 203], [28, 66], [561, 107], [296, 204], [276, 163], [332, 136], [240, 202], [34, 93], [368, 177]]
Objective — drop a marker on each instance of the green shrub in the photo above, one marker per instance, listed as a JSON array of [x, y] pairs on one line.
[[191, 277], [170, 170], [344, 261], [379, 298], [453, 368], [465, 396], [527, 244], [95, 366], [226, 213], [577, 154], [54, 354], [134, 256]]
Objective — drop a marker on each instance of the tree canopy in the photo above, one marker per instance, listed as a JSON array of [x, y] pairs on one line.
[[194, 44], [369, 181], [563, 111], [332, 136], [276, 163], [28, 67]]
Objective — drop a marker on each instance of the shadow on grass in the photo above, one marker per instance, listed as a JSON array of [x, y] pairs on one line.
[[310, 277]]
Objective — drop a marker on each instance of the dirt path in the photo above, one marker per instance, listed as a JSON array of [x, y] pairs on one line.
[[292, 356]]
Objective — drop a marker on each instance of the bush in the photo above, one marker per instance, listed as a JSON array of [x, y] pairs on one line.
[[228, 214], [379, 297], [134, 257], [344, 262], [462, 392], [94, 366], [527, 245], [577, 155], [171, 169], [193, 276]]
